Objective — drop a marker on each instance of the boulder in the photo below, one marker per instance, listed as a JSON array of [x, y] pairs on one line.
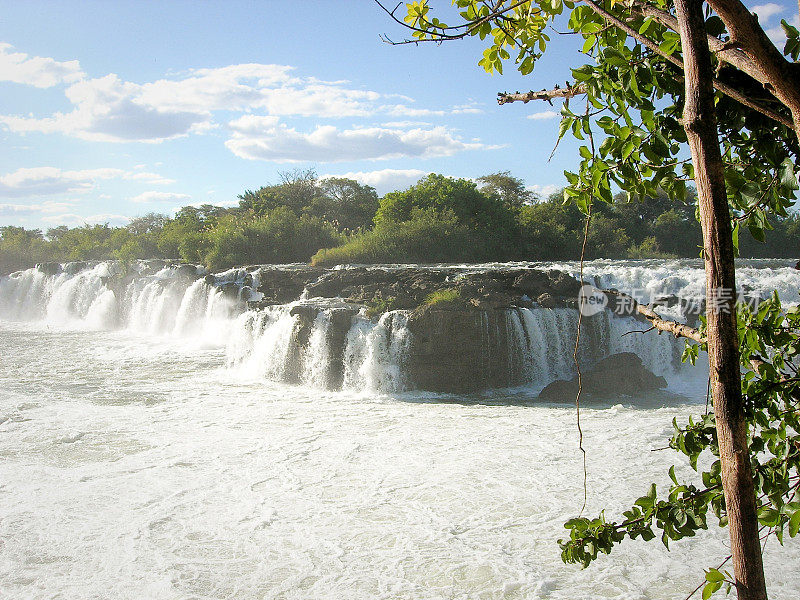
[[618, 374], [190, 272], [49, 268], [460, 350], [280, 286]]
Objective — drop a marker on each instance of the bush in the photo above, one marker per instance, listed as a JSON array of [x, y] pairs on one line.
[[443, 297], [279, 236], [430, 236]]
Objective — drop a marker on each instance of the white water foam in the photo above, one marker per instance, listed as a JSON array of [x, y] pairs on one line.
[[136, 467]]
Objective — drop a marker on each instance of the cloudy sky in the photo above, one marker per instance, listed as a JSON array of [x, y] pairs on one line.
[[112, 109]]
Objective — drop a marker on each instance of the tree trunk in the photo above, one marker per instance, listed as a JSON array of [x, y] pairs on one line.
[[723, 346]]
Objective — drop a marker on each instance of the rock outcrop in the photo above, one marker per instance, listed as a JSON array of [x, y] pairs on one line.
[[409, 288], [618, 374], [460, 350]]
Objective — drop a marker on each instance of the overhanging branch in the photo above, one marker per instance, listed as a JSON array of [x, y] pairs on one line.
[[673, 327], [566, 92], [722, 87]]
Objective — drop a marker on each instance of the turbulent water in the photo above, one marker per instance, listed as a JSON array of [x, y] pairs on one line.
[[150, 447]]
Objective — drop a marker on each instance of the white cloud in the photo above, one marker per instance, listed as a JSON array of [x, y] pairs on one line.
[[765, 12], [75, 220], [467, 109], [385, 180], [151, 178], [258, 86], [109, 109], [29, 209], [35, 70], [544, 190], [541, 116], [261, 139], [405, 124], [402, 110], [778, 36], [160, 197], [48, 181]]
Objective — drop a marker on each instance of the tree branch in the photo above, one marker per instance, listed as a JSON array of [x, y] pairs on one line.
[[769, 67], [567, 92], [722, 87], [673, 327], [734, 57]]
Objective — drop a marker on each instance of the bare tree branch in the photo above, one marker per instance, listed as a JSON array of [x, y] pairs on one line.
[[673, 327], [566, 92]]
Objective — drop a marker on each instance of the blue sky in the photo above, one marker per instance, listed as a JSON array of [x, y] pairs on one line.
[[113, 109]]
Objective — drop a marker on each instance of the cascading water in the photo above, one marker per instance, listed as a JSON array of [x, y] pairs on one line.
[[330, 345], [338, 348], [375, 352], [170, 300]]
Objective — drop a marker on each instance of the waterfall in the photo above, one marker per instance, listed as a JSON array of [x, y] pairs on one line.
[[327, 343], [170, 300], [338, 349], [375, 352]]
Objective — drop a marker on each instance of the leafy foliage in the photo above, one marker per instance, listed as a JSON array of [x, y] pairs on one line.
[[770, 347]]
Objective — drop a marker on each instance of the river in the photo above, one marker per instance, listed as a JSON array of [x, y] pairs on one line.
[[144, 458]]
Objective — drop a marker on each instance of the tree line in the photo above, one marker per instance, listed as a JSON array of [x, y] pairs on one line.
[[327, 221]]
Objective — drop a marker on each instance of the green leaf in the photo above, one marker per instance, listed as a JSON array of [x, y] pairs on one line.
[[710, 588], [787, 175], [714, 576], [757, 232], [794, 524]]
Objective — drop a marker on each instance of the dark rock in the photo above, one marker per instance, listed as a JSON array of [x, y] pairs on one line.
[[187, 271], [247, 294], [71, 268], [797, 266], [532, 283], [461, 351], [280, 286], [336, 340], [49, 268], [150, 266], [410, 288], [617, 374], [230, 290], [306, 312]]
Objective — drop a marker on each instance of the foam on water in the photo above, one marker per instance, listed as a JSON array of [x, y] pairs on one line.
[[137, 467]]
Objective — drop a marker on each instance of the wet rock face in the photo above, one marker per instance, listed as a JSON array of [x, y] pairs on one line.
[[281, 286], [459, 351], [49, 268], [617, 374], [409, 288]]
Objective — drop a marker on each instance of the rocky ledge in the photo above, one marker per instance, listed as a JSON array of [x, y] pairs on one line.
[[414, 288]]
